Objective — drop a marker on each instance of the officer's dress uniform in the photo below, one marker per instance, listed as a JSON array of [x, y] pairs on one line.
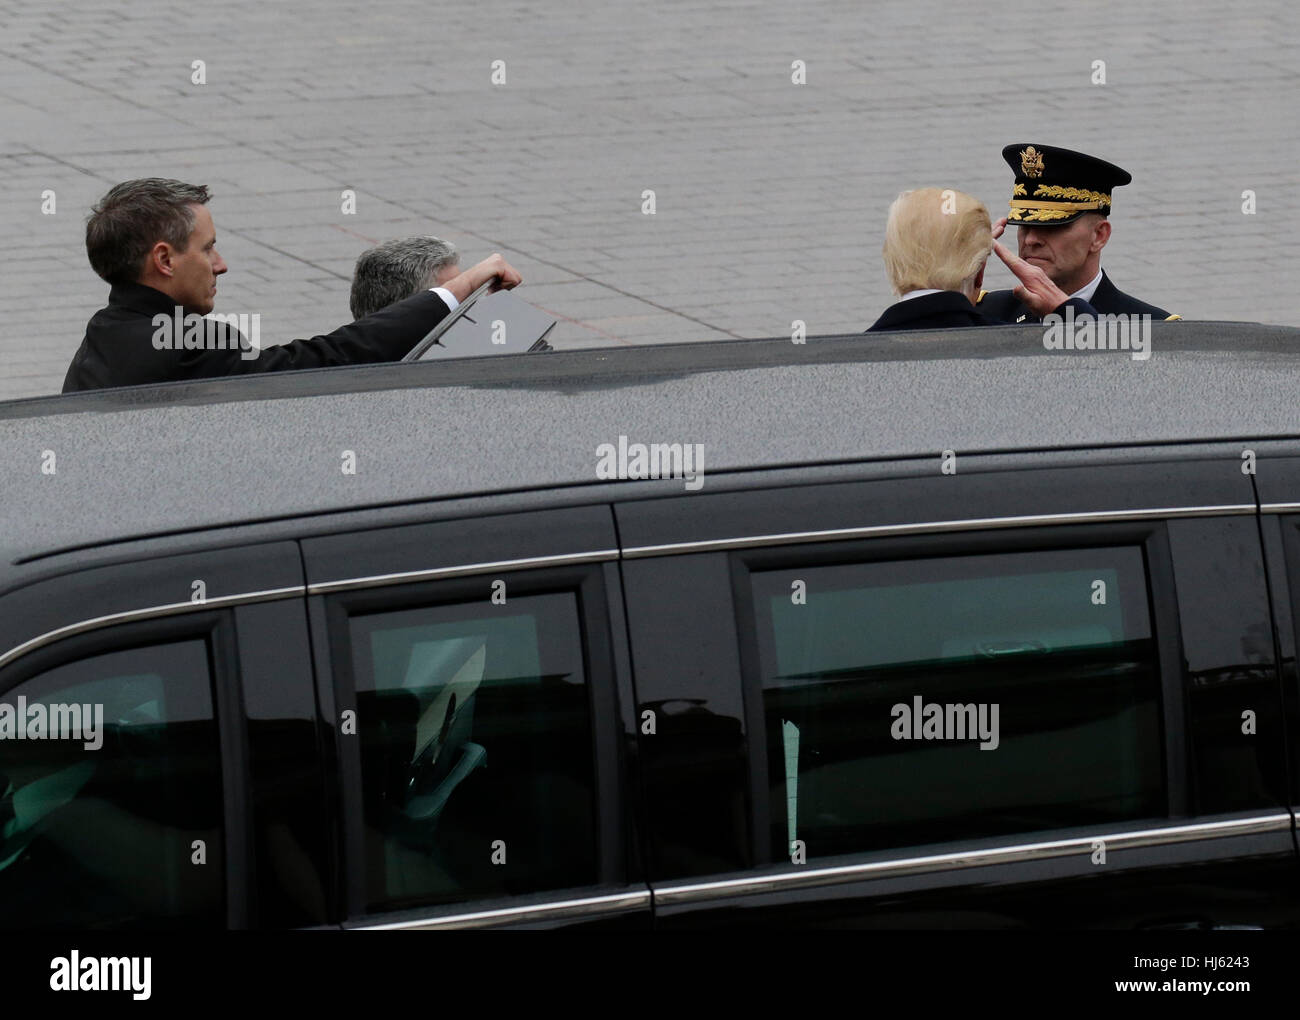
[[119, 348], [1106, 298], [945, 309], [1054, 187]]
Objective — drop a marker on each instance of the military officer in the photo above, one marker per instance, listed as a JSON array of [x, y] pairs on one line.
[[1061, 203], [936, 245]]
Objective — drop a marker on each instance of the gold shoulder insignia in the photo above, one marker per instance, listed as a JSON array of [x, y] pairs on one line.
[[1171, 318]]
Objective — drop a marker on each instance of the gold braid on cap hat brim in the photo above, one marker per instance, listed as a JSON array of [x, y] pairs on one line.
[[1083, 200], [1041, 215], [1074, 194]]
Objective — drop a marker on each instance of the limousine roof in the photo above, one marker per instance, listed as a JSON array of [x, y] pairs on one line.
[[152, 460]]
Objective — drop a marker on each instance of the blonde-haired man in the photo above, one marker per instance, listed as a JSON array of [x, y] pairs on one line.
[[937, 241]]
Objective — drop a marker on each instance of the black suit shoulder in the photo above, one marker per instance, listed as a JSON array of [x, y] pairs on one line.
[[119, 347], [948, 309], [1110, 300]]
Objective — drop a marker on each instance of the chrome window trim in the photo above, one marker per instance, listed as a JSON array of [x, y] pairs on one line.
[[1012, 853], [968, 524], [1278, 508], [558, 910], [320, 588], [147, 613], [692, 892], [463, 570], [635, 552]]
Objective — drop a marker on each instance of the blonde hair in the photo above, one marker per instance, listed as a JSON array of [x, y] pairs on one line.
[[936, 238]]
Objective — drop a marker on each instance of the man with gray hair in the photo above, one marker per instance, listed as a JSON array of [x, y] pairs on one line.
[[153, 241], [396, 269]]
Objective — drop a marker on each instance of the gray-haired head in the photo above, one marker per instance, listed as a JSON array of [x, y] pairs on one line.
[[134, 216], [397, 269]]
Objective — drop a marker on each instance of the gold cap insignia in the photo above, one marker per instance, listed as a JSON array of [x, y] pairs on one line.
[[1031, 162]]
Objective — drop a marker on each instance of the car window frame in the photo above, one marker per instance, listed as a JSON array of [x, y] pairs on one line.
[[1152, 540], [610, 797], [216, 628]]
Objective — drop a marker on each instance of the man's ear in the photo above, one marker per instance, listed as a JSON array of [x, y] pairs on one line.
[[1100, 235], [160, 258]]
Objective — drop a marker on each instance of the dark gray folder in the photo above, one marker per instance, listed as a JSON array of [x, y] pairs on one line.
[[495, 323]]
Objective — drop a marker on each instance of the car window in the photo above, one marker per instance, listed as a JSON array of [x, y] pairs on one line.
[[476, 751], [110, 793], [950, 698]]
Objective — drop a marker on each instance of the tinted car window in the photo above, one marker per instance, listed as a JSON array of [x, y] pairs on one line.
[[951, 698], [476, 751], [115, 778]]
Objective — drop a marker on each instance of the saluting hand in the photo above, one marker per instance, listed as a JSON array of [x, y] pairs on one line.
[[1036, 290]]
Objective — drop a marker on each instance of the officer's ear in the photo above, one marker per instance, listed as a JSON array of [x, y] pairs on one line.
[[1100, 234]]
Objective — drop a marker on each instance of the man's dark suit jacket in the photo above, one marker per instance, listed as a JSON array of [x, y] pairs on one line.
[[1002, 305], [118, 349], [946, 310]]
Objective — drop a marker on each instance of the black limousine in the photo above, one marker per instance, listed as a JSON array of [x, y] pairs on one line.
[[942, 630]]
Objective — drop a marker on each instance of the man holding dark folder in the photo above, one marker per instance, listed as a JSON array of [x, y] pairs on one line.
[[154, 242], [483, 323]]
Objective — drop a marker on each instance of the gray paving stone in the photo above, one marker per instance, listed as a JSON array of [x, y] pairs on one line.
[[771, 196]]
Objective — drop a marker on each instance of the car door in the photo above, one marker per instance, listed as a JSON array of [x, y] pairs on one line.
[[157, 819], [1276, 473], [473, 674], [1036, 691]]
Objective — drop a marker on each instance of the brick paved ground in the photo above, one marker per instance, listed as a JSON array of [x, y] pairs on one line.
[[770, 196]]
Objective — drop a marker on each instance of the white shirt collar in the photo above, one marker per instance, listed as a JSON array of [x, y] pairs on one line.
[[920, 293], [1089, 289]]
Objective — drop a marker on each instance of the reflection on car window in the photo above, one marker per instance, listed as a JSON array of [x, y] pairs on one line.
[[476, 753], [952, 698], [103, 836]]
